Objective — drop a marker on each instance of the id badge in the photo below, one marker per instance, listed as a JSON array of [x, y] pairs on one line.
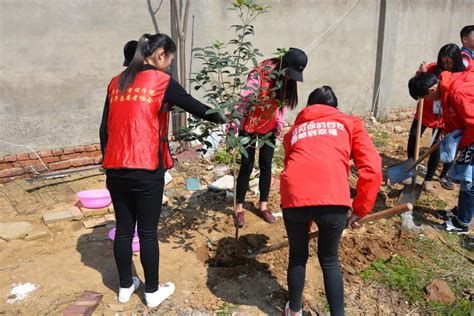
[[437, 107]]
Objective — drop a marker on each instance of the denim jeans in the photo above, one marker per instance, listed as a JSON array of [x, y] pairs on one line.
[[466, 202]]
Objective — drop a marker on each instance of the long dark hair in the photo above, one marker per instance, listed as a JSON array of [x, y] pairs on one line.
[[454, 52], [147, 45], [288, 91], [324, 95]]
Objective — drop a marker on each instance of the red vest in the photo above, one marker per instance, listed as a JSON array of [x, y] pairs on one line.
[[261, 117], [138, 123]]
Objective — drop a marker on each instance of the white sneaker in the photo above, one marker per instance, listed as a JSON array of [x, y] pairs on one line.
[[288, 310], [126, 292], [156, 298]]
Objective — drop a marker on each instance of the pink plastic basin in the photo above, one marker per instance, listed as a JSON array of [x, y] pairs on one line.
[[135, 241], [95, 198]]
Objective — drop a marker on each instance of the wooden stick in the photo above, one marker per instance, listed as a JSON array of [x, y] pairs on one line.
[[418, 128], [399, 209]]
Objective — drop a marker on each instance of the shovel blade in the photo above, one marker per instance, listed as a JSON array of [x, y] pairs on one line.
[[410, 194], [401, 172]]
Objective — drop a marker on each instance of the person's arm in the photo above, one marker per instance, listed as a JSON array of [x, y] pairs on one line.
[[369, 164], [103, 132], [280, 117], [176, 95]]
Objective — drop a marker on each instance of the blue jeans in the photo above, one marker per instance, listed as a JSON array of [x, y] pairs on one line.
[[466, 203]]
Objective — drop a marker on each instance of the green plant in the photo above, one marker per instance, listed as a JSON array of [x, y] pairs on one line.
[[223, 157], [225, 67]]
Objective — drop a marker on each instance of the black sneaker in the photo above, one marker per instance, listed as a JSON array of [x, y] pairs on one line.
[[445, 215], [454, 226]]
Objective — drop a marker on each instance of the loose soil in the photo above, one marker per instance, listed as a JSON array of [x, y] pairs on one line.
[[198, 251]]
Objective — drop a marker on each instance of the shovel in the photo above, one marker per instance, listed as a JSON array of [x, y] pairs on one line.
[[405, 170], [369, 218]]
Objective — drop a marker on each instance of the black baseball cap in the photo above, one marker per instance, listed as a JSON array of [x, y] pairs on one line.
[[296, 60], [128, 52]]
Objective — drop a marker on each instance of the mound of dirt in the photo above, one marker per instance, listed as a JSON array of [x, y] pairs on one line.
[[230, 252]]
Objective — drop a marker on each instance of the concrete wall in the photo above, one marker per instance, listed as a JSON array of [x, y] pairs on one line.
[[57, 56]]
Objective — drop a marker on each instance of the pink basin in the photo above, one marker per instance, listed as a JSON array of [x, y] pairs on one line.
[[135, 241], [95, 198]]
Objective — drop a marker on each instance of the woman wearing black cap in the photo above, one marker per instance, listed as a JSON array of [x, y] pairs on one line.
[[133, 138], [266, 116]]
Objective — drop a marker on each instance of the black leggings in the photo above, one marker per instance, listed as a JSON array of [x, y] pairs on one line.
[[265, 164], [137, 202], [331, 221], [434, 159]]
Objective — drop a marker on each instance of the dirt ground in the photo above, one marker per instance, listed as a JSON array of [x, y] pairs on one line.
[[198, 251]]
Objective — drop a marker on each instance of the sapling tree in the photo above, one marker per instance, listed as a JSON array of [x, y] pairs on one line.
[[226, 66]]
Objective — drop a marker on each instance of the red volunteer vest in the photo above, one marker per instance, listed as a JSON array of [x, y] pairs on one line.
[[261, 116], [138, 123]]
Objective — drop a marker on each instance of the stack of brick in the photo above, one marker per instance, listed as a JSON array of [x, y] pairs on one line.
[[27, 164]]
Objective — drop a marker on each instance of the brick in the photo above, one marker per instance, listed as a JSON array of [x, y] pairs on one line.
[[29, 162], [38, 168], [79, 149], [11, 172], [11, 158], [33, 156], [50, 159], [88, 212], [90, 147], [53, 217], [97, 159], [2, 159], [76, 213], [45, 153], [95, 222], [68, 151], [70, 156], [92, 154], [188, 155], [22, 157], [37, 234], [97, 146], [57, 152], [6, 165], [60, 165], [84, 305], [4, 180], [82, 161]]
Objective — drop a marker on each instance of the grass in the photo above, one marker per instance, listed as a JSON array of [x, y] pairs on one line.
[[431, 202], [227, 309], [381, 139], [410, 275]]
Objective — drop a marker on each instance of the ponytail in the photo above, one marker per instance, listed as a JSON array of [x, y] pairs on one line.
[[147, 46]]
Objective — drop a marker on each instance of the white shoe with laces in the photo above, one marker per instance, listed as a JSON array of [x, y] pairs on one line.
[[156, 298], [288, 311], [126, 292]]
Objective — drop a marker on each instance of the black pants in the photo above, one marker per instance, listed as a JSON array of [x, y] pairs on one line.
[[138, 202], [265, 164], [331, 221], [434, 159]]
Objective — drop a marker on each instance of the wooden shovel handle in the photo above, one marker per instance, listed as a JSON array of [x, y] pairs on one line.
[[399, 209], [418, 127]]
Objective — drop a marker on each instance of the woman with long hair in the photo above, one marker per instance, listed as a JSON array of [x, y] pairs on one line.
[[133, 136], [270, 89]]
